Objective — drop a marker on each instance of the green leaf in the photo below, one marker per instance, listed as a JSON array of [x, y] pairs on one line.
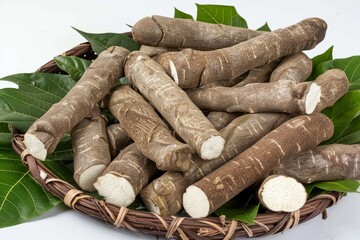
[[244, 214], [36, 94], [102, 41], [220, 14], [346, 186], [342, 114], [74, 66], [5, 136], [351, 134], [21, 198], [62, 152], [317, 63], [60, 170], [180, 14], [264, 28]]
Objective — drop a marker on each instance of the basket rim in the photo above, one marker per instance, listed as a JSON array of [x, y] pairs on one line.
[[151, 223]]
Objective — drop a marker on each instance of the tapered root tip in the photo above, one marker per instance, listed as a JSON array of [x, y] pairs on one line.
[[116, 190], [35, 147], [312, 98], [212, 147], [195, 202], [89, 176], [282, 194]]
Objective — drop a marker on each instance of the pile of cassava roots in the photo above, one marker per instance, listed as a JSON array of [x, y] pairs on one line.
[[209, 110]]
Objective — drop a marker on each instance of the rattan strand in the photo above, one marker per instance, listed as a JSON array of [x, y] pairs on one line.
[[150, 223]]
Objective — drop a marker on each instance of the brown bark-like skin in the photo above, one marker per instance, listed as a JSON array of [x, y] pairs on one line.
[[118, 139], [95, 83], [151, 135], [295, 135], [221, 119], [168, 32], [197, 68], [281, 96], [296, 67], [90, 147], [166, 191], [132, 165], [259, 74], [324, 163], [171, 101]]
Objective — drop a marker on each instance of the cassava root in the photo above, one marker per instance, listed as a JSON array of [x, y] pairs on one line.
[[228, 63], [290, 97], [125, 176], [282, 194], [295, 135], [150, 134], [160, 31], [323, 163], [91, 150], [45, 133], [174, 105]]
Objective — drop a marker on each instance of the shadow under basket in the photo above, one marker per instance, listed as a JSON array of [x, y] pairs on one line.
[[150, 223]]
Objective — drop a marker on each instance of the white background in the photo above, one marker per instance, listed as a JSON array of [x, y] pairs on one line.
[[33, 32]]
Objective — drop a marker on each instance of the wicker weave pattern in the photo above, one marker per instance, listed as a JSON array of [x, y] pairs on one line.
[[150, 223]]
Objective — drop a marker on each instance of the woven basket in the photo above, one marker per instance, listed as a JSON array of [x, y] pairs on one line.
[[150, 223]]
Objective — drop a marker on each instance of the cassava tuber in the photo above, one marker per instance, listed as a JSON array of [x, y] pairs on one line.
[[192, 68], [221, 119], [151, 135], [281, 96], [296, 67], [174, 105], [125, 176], [164, 195], [91, 150], [118, 139], [323, 163], [295, 135], [168, 32], [282, 194], [45, 133]]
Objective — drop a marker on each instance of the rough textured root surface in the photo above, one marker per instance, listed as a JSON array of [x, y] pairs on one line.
[[118, 139], [95, 83], [259, 74], [302, 133], [333, 84], [323, 163], [282, 194], [154, 52], [125, 176], [296, 67], [290, 97], [185, 33], [229, 63], [164, 194], [91, 150], [173, 104], [151, 135], [221, 119]]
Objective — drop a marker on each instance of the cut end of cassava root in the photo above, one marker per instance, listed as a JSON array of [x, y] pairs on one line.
[[312, 98], [35, 146], [86, 179], [173, 72], [282, 194], [116, 190], [212, 147], [195, 202]]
